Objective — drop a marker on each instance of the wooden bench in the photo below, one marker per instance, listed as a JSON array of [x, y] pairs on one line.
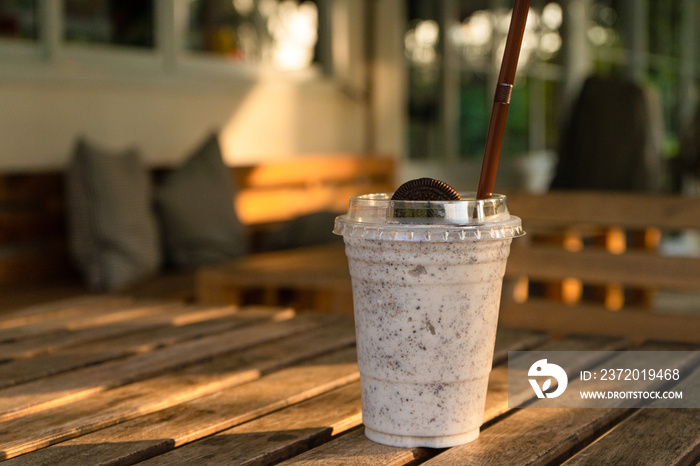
[[591, 263], [35, 264], [271, 194], [308, 278], [278, 191]]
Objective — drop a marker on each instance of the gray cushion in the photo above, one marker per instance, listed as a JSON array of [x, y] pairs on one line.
[[195, 207], [112, 227]]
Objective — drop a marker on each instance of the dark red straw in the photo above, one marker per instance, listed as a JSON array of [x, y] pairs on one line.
[[501, 99]]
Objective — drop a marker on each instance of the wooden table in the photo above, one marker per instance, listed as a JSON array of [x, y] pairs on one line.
[[314, 278], [117, 381]]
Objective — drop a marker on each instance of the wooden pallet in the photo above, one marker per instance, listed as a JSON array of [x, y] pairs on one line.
[[591, 262]]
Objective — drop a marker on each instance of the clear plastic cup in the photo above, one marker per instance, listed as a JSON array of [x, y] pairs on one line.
[[426, 279]]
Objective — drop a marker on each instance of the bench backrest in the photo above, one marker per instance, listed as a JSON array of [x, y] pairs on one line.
[[33, 240], [273, 192], [594, 262]]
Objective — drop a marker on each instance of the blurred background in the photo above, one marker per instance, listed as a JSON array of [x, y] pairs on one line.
[[407, 79]]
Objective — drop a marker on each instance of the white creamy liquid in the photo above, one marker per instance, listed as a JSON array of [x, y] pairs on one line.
[[425, 316]]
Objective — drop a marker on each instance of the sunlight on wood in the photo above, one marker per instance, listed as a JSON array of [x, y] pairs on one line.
[[572, 241], [652, 238], [614, 297], [520, 289], [571, 290], [615, 241], [282, 190]]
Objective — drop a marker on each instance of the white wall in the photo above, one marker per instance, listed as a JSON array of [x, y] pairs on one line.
[[40, 119], [116, 101], [280, 119]]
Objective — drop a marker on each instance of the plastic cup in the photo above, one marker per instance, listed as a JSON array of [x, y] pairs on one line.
[[426, 280]]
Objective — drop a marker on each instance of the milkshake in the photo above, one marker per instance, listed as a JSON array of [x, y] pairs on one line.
[[426, 278]]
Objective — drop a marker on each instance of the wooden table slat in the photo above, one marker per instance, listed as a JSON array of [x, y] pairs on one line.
[[631, 441], [145, 436], [539, 436], [110, 380], [129, 322], [82, 319], [497, 396], [280, 434], [57, 309], [52, 391], [354, 448], [145, 340], [337, 451], [511, 339], [105, 409], [263, 444]]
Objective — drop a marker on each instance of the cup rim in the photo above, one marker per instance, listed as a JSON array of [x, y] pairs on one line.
[[376, 215]]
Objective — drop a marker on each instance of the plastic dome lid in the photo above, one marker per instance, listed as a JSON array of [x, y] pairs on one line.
[[376, 216]]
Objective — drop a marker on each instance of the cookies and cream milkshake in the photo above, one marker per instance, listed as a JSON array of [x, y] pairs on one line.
[[426, 279]]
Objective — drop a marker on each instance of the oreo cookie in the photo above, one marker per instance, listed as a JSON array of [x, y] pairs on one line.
[[425, 189]]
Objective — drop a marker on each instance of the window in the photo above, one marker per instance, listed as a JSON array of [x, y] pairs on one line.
[[19, 19], [280, 34], [107, 38], [454, 48], [114, 22], [454, 62], [480, 40]]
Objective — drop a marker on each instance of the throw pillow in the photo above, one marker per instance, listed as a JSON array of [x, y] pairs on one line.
[[195, 207], [112, 228]]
